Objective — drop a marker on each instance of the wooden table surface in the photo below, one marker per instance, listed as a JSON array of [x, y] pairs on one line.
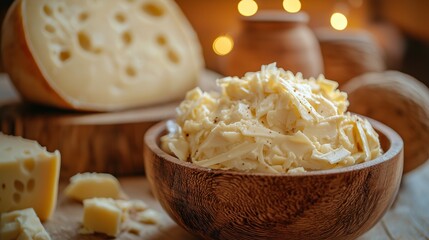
[[407, 219]]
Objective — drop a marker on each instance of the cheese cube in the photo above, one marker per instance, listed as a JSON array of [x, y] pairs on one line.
[[93, 185], [22, 224], [102, 215], [28, 176]]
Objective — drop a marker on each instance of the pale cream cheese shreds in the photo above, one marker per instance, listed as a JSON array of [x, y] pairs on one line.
[[270, 121]]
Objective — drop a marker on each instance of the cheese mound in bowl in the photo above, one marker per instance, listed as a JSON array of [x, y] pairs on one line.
[[270, 121]]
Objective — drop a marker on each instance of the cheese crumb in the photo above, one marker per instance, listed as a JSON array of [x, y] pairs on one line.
[[270, 121]]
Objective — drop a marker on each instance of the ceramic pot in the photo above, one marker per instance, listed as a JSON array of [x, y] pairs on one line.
[[274, 36]]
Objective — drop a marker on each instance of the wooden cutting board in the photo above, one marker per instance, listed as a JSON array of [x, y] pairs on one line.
[[109, 142], [67, 219]]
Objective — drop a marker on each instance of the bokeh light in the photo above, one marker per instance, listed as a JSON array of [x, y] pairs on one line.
[[247, 7], [339, 21], [222, 45], [292, 6]]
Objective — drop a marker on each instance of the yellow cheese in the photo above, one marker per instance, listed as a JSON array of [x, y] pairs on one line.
[[111, 217], [22, 224], [101, 215], [100, 55], [28, 176], [93, 185]]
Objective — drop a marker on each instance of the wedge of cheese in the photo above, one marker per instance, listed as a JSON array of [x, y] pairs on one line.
[[93, 185], [28, 176], [100, 55], [22, 224]]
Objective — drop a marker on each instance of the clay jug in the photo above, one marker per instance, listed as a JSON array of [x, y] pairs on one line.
[[274, 36]]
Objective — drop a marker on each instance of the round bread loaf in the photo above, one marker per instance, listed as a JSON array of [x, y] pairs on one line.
[[100, 55], [401, 102]]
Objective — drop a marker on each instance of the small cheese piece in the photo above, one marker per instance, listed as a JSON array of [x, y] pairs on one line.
[[93, 185], [22, 224], [102, 215], [28, 176], [100, 55]]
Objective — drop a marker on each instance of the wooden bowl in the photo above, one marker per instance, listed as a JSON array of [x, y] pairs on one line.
[[339, 203]]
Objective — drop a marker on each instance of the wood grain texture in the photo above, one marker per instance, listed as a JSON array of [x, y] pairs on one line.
[[331, 204], [109, 142], [99, 142], [399, 101], [348, 54], [410, 206]]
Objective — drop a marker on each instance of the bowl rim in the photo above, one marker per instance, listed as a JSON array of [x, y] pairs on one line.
[[396, 147]]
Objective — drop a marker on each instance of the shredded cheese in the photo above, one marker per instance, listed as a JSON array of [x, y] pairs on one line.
[[270, 121]]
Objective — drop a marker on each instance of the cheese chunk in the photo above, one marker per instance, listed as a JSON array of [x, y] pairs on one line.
[[91, 185], [102, 215], [100, 55], [28, 176], [22, 224]]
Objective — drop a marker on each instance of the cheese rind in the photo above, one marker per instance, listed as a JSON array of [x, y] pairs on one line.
[[22, 224], [100, 55], [28, 176], [93, 185]]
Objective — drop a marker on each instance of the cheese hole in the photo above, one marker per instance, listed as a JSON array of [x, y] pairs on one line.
[[130, 71], [127, 38], [49, 28], [120, 18], [161, 40], [153, 9], [84, 41], [16, 197], [64, 55], [27, 152], [3, 186], [83, 16], [60, 9], [173, 57], [30, 185], [47, 10], [19, 186], [29, 164]]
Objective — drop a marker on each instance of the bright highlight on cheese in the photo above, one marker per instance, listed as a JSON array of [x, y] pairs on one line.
[[270, 121], [28, 176], [90, 185], [22, 224]]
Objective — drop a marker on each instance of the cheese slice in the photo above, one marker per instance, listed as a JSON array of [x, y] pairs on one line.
[[90, 185], [28, 176], [100, 55], [22, 224]]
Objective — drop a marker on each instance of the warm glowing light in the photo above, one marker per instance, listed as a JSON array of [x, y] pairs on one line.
[[222, 45], [247, 7], [339, 21], [292, 6]]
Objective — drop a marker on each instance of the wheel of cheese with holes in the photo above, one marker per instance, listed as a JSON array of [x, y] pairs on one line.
[[399, 101], [100, 55]]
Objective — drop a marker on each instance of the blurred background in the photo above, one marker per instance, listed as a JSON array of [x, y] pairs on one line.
[[354, 36]]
